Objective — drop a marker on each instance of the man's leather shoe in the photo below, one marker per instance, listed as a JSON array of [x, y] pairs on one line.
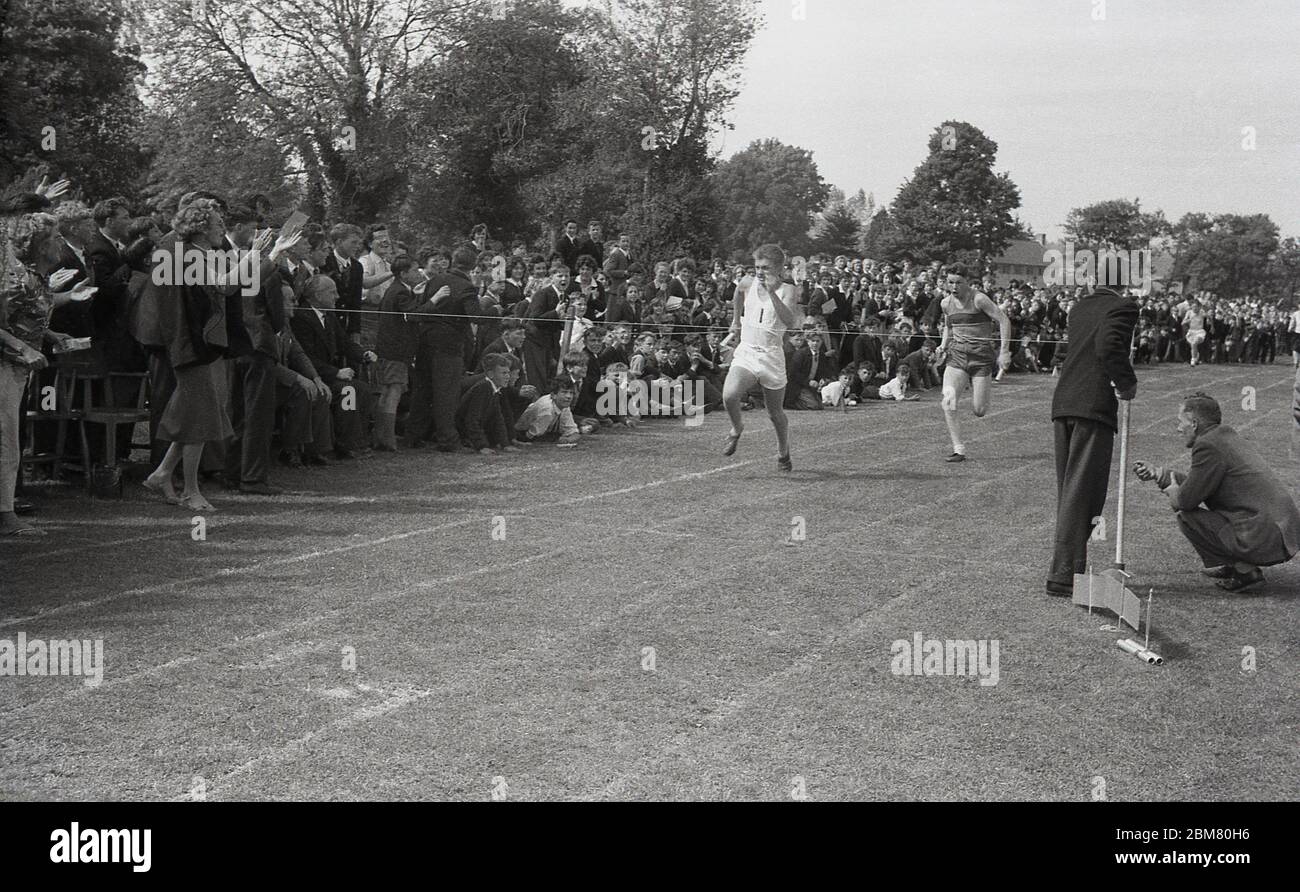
[[1222, 572], [1239, 581], [291, 459], [315, 458], [956, 456], [24, 507], [1059, 590]]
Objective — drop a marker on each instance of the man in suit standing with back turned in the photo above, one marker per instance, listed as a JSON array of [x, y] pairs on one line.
[[1097, 372]]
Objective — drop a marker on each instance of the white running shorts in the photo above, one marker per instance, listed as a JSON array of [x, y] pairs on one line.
[[768, 366]]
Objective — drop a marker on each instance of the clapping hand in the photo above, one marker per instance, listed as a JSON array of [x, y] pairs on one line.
[[52, 190], [59, 278]]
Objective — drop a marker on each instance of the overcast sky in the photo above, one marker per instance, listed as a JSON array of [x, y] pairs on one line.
[[1148, 103]]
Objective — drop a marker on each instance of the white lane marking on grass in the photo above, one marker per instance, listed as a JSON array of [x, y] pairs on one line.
[[398, 697]]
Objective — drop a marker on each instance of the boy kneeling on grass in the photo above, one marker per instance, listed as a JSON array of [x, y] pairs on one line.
[[550, 418], [479, 416]]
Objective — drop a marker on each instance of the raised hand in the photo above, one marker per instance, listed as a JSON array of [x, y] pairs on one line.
[[263, 239], [52, 190], [285, 242]]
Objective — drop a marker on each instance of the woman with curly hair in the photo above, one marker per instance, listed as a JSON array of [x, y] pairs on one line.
[[191, 324], [26, 303]]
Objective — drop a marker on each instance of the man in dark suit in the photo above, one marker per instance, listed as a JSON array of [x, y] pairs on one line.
[[252, 376], [545, 326], [336, 359], [345, 269], [115, 349], [1096, 372], [593, 243], [1249, 520], [682, 284], [570, 245], [440, 356]]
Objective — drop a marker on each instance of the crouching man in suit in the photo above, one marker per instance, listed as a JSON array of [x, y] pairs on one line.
[[1248, 520]]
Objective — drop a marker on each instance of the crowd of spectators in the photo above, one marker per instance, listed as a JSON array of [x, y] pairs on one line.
[[325, 342]]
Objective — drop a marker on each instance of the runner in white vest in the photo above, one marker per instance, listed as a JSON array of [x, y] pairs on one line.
[[765, 307]]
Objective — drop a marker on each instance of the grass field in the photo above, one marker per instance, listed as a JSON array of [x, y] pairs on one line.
[[520, 665]]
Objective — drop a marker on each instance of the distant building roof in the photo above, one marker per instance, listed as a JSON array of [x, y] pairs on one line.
[[1023, 252]]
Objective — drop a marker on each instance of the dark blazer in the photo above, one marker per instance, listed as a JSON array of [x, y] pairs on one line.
[[544, 323], [866, 348], [1229, 477], [76, 318], [499, 346], [328, 347], [263, 312], [479, 419], [349, 285], [570, 250], [398, 337], [109, 270], [1100, 329], [450, 332], [622, 310]]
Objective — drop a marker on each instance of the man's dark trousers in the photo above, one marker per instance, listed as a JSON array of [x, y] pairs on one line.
[[447, 370], [252, 415], [419, 420], [1083, 454]]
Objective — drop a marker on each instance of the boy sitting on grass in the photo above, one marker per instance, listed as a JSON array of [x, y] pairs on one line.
[[622, 397]]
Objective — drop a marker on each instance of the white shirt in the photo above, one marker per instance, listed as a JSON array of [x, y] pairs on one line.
[[760, 326], [373, 265], [894, 390]]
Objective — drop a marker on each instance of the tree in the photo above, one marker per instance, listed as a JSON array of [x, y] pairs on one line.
[[863, 208], [1118, 224], [768, 192], [203, 140], [837, 229], [320, 78], [68, 97], [1284, 271], [485, 121], [954, 203], [880, 240], [1228, 254], [661, 78]]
